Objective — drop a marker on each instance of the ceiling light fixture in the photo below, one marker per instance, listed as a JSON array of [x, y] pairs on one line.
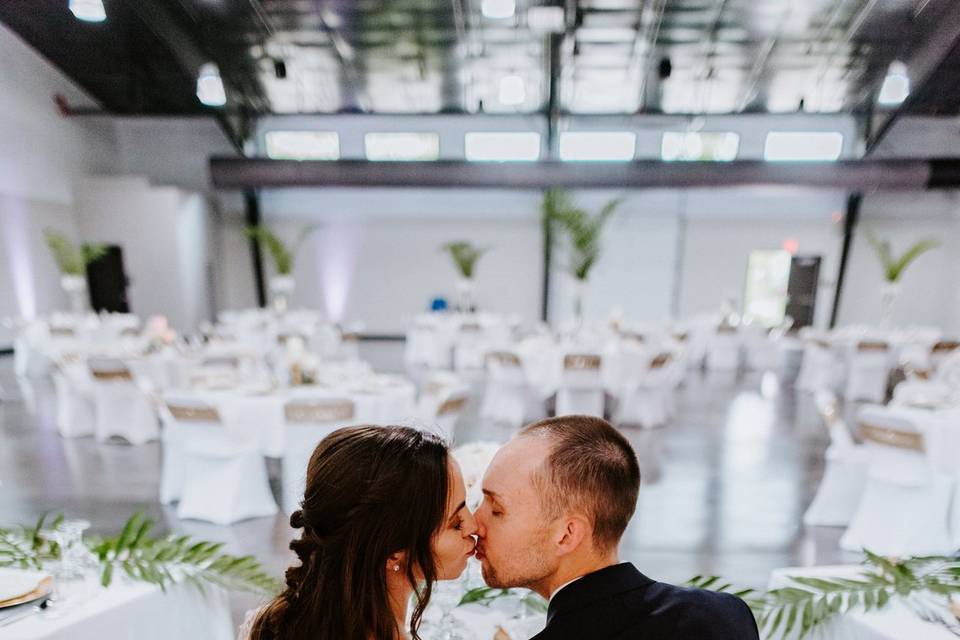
[[88, 10], [210, 89], [512, 90], [545, 19], [498, 9], [896, 85]]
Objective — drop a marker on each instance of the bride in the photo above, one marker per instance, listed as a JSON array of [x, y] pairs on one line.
[[383, 518]]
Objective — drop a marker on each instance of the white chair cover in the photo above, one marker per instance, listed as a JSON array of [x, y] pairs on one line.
[[509, 398], [869, 372], [723, 349], [224, 478], [306, 422], [905, 504], [122, 408], [447, 409], [647, 396], [75, 403], [845, 475], [820, 368], [581, 387]]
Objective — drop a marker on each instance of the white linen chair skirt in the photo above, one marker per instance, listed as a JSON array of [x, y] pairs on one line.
[[841, 488], [723, 351], [300, 439], [867, 376], [122, 409], [819, 369], [508, 397], [75, 407], [224, 484]]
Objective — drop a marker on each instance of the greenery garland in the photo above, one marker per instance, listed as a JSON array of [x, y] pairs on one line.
[[156, 560]]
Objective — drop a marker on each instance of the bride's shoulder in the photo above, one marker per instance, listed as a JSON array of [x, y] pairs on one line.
[[247, 626]]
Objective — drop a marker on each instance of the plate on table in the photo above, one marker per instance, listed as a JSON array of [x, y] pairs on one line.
[[20, 587]]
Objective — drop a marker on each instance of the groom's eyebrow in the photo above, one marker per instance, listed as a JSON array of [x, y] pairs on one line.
[[492, 494]]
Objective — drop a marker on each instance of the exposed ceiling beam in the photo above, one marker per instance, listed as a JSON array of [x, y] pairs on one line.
[[233, 173], [938, 51]]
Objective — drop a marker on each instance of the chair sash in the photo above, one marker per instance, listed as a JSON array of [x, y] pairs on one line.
[[891, 437], [129, 332], [945, 346], [194, 413], [726, 328], [872, 345], [452, 405], [318, 411], [682, 336], [62, 331], [504, 358], [581, 362], [113, 375], [232, 362], [471, 327], [661, 360]]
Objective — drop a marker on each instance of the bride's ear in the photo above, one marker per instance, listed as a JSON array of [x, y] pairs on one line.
[[396, 562]]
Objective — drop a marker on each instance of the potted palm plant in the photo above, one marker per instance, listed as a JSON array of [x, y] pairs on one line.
[[282, 284], [893, 268], [72, 261], [465, 256], [582, 231]]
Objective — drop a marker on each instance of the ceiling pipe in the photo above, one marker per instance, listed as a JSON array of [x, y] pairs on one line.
[[860, 175]]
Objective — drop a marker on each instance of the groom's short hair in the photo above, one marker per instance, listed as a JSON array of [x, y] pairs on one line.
[[591, 467]]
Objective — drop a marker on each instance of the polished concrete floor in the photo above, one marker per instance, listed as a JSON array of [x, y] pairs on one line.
[[724, 486]]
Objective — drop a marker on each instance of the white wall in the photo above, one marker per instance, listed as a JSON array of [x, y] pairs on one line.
[[41, 153], [163, 233]]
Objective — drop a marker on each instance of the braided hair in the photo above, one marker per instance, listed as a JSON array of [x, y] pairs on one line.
[[370, 492]]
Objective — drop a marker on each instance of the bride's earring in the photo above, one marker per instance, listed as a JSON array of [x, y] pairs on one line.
[[396, 567]]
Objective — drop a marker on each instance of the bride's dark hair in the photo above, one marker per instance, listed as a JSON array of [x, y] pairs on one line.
[[370, 492]]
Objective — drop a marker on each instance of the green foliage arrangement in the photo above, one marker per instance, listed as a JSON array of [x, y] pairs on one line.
[[283, 256], [925, 584], [71, 259], [156, 560], [582, 230], [465, 256], [894, 267], [486, 595]]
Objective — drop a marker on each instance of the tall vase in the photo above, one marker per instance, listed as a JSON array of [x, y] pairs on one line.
[[281, 289], [580, 290], [466, 289], [890, 292], [76, 289]]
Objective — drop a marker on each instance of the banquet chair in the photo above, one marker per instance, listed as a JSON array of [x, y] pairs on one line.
[[508, 398], [941, 351], [470, 346], [218, 476], [581, 387], [75, 416], [426, 347], [307, 421], [869, 371], [647, 399], [761, 352], [845, 473], [723, 349], [448, 412], [905, 503], [121, 407], [820, 366]]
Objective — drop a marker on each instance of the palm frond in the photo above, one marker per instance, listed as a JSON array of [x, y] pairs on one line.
[[157, 560], [893, 267], [583, 231], [71, 259], [465, 256], [281, 255]]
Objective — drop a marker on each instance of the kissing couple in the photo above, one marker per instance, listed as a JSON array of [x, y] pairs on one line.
[[384, 516]]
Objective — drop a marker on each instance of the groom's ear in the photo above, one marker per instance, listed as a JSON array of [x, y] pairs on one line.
[[576, 529]]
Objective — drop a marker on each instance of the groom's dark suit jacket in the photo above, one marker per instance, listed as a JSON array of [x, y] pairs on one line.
[[620, 603]]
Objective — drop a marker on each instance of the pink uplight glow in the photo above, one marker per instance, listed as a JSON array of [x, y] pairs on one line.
[[336, 248], [16, 237]]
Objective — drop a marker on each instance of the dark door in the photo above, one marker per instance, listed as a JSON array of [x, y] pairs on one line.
[[802, 289], [108, 282]]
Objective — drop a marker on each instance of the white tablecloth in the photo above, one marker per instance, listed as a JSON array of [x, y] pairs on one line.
[[260, 417], [131, 610], [893, 622]]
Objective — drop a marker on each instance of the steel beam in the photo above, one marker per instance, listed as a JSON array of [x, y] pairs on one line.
[[853, 175]]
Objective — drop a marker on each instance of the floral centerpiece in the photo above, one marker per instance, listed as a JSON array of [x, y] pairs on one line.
[[159, 333]]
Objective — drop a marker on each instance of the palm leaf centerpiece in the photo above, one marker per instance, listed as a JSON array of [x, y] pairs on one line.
[[893, 267], [465, 256], [72, 260]]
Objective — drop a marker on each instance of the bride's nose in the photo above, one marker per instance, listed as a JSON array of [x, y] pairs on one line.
[[469, 525]]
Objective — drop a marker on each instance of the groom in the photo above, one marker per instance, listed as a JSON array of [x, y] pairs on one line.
[[557, 499]]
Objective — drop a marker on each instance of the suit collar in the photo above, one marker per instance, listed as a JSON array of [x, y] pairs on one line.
[[599, 585]]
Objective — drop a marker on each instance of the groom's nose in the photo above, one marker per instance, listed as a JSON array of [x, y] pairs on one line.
[[481, 527]]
